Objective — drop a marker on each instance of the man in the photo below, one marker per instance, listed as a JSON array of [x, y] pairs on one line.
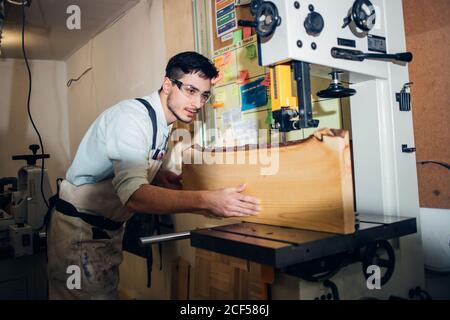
[[116, 173]]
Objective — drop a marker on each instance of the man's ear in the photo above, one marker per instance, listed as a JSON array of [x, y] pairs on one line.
[[167, 86]]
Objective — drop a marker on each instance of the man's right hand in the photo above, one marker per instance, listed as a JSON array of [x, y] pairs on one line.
[[229, 202]]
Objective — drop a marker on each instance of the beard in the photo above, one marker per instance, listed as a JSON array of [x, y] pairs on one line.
[[176, 115], [174, 112]]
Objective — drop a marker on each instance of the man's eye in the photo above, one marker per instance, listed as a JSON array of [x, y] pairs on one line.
[[192, 91], [205, 96]]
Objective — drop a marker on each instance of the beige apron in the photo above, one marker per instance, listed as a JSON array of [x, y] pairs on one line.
[[71, 242]]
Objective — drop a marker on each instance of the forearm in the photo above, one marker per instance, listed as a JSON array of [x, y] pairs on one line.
[[153, 199]]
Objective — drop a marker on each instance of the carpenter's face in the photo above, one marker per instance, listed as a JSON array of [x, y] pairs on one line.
[[188, 95]]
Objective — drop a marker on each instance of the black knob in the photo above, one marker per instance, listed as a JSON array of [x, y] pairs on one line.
[[34, 148], [314, 23]]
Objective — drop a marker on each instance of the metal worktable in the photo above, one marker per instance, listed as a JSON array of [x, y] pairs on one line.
[[281, 247]]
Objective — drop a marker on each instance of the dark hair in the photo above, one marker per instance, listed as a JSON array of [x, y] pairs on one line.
[[190, 62]]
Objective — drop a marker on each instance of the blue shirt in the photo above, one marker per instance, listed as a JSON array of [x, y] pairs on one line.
[[118, 145]]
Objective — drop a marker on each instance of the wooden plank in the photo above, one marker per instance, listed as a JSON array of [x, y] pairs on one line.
[[217, 278], [260, 276], [305, 185], [222, 281], [202, 278], [430, 95], [180, 279]]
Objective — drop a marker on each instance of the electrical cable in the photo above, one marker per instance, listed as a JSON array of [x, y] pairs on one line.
[[69, 83], [440, 163], [30, 82]]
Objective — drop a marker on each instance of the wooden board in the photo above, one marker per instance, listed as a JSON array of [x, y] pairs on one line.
[[428, 39], [218, 276], [311, 188], [180, 279]]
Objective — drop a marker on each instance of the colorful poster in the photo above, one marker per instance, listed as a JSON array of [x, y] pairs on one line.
[[226, 64], [254, 95], [226, 20]]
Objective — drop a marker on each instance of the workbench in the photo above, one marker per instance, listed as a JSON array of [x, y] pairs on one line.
[[282, 247]]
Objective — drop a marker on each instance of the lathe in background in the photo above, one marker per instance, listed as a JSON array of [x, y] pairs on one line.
[[23, 273]]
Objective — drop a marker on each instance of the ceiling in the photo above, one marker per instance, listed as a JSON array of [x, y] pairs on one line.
[[47, 36]]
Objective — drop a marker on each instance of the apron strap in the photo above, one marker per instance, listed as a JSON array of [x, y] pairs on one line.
[[100, 222], [152, 114], [140, 224]]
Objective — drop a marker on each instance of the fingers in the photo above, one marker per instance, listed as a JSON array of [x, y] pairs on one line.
[[240, 188], [237, 208], [329, 132], [243, 208], [229, 202], [318, 135], [250, 206], [237, 189], [239, 213], [249, 199], [323, 132], [244, 211]]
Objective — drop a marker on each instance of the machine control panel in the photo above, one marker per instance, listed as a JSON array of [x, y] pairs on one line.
[[310, 30], [314, 23]]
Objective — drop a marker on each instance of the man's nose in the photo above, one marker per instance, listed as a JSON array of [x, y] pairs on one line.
[[197, 102]]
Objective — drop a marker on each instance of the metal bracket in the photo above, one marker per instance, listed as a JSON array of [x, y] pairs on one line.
[[404, 98], [408, 150], [302, 77]]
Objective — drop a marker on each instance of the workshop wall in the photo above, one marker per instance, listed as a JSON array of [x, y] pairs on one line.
[[178, 26], [427, 30], [49, 110], [127, 61]]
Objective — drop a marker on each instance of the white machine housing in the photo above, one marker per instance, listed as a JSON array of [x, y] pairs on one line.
[[28, 205], [21, 239], [385, 177], [28, 211]]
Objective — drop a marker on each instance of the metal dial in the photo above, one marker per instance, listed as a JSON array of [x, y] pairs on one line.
[[363, 14]]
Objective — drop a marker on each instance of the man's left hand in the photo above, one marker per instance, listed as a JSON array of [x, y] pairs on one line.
[[319, 134], [168, 179]]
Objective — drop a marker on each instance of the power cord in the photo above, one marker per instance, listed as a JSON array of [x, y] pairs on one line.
[[30, 82], [69, 83], [440, 163]]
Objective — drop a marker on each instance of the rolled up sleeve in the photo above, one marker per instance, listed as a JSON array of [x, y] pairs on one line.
[[128, 144]]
